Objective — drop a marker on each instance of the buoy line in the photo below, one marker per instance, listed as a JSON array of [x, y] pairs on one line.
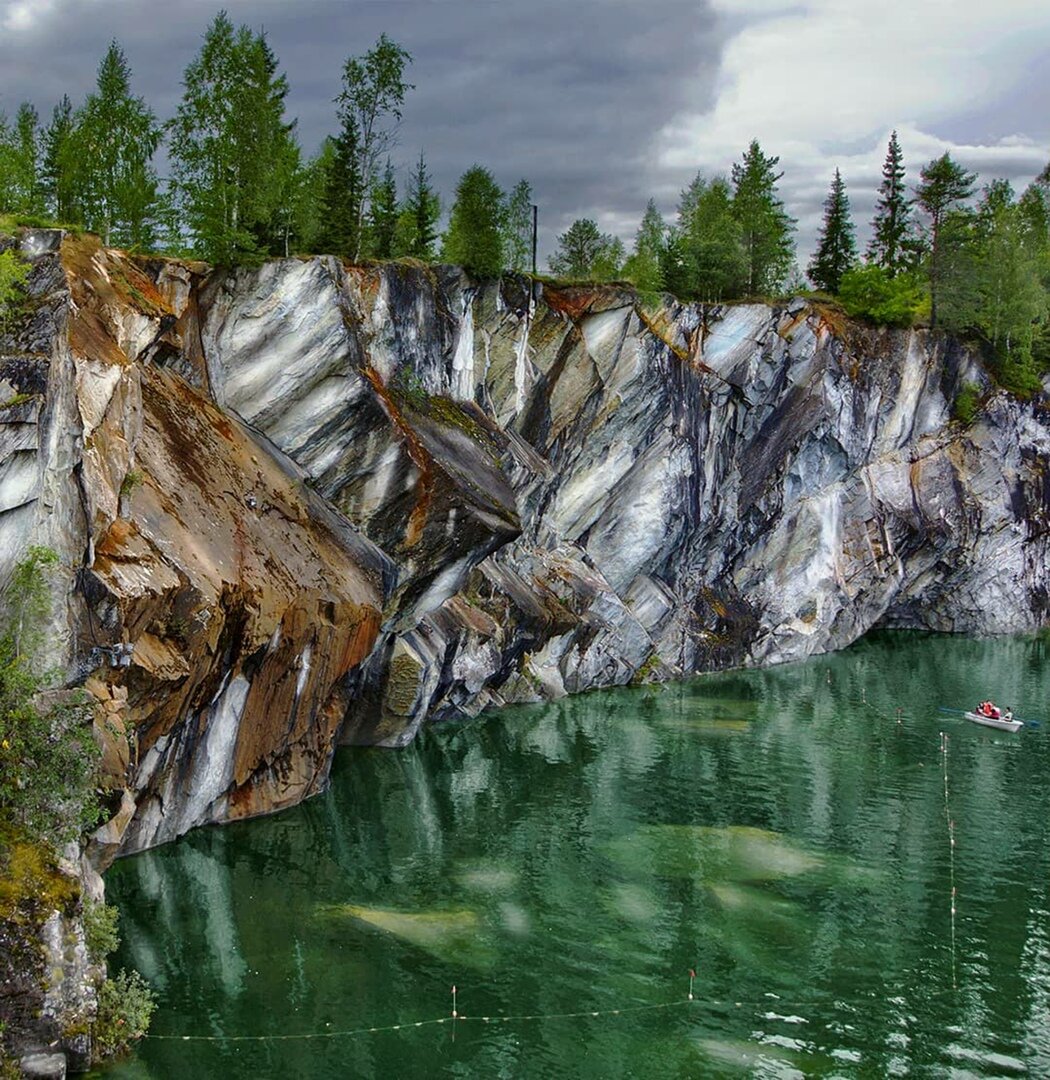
[[457, 1017], [413, 1024], [767, 1002], [951, 850]]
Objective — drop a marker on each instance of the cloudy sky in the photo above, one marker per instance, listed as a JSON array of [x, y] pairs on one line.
[[604, 103]]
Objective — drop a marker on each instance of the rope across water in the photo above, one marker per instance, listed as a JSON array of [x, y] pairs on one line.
[[457, 1017]]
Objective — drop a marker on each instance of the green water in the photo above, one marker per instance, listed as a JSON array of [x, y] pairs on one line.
[[779, 832]]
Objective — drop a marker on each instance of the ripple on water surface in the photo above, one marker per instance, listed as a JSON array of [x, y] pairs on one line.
[[783, 833]]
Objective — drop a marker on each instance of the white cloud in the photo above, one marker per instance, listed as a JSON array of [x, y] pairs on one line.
[[24, 15], [822, 83]]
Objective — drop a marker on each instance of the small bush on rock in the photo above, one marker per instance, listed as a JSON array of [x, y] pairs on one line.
[[871, 292], [100, 929], [965, 408], [125, 1006], [13, 274]]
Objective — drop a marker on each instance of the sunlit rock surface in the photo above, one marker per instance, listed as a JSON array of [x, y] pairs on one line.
[[308, 503]]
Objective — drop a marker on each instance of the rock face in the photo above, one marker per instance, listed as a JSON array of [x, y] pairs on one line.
[[310, 503]]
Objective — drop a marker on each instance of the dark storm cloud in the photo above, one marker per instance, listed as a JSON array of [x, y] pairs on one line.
[[569, 95]]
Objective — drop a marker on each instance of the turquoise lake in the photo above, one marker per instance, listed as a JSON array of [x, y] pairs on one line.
[[783, 833]]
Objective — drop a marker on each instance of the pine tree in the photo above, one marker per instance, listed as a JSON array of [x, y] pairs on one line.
[[382, 216], [21, 191], [585, 252], [373, 93], [7, 165], [837, 250], [765, 226], [644, 268], [945, 184], [109, 154], [517, 240], [894, 245], [233, 154], [474, 238], [59, 168]]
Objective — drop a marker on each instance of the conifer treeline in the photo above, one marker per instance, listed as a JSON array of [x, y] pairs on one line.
[[240, 190]]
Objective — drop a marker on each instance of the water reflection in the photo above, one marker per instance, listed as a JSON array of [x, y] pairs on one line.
[[782, 832]]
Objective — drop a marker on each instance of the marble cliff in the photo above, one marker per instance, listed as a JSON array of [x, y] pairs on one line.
[[308, 503]]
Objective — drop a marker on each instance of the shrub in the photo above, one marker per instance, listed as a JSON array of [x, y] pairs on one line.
[[132, 479], [13, 274], [966, 402], [1018, 375], [100, 929], [125, 1007], [870, 292], [48, 759]]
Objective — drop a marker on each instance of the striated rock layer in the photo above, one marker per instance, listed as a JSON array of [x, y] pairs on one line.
[[310, 503]]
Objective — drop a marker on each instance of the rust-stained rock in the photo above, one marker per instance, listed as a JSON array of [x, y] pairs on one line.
[[305, 503]]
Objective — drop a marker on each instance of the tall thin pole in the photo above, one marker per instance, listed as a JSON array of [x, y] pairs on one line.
[[535, 224]]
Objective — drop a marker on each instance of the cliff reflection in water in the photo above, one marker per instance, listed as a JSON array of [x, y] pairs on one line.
[[779, 831]]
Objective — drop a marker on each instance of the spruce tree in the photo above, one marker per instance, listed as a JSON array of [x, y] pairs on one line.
[[474, 238], [416, 232], [114, 138], [309, 204], [837, 250], [425, 207], [945, 184], [765, 226], [382, 216], [644, 268], [517, 240], [894, 245], [343, 194]]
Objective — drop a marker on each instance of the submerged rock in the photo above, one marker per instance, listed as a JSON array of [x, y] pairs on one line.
[[734, 854], [453, 937], [308, 503]]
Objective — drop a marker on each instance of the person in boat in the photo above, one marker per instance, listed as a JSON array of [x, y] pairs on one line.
[[1008, 714], [989, 709]]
